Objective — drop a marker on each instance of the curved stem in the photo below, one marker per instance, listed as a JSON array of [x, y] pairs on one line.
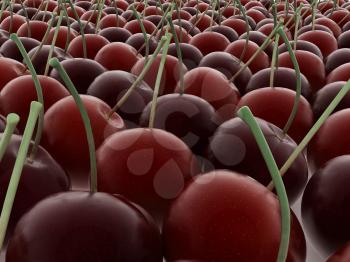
[[39, 93], [298, 75], [274, 60], [158, 80], [242, 9], [328, 111], [99, 16], [145, 37], [81, 28], [11, 123], [296, 28], [35, 109], [27, 19], [86, 120], [246, 115]]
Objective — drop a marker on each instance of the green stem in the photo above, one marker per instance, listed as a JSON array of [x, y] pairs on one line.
[[99, 16], [246, 115], [39, 92], [11, 123], [274, 60], [35, 109], [296, 28], [328, 111], [158, 80], [145, 37], [298, 75], [86, 120], [139, 78], [242, 9], [81, 28]]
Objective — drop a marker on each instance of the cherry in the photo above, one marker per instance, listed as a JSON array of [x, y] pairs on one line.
[[41, 56], [340, 73], [236, 24], [226, 233], [302, 45], [342, 254], [256, 15], [341, 17], [180, 33], [138, 42], [4, 36], [224, 97], [91, 16], [202, 21], [81, 71], [325, 41], [188, 117], [115, 34], [79, 10], [112, 85], [9, 48], [247, 158], [170, 75], [228, 65], [183, 14], [17, 95], [268, 28], [112, 20], [93, 44], [93, 227], [337, 58], [259, 38], [135, 27], [237, 48], [307, 28], [188, 26], [325, 145], [324, 192], [10, 69], [65, 21], [41, 177], [12, 23], [121, 165], [343, 40], [155, 19], [112, 10], [37, 30], [191, 55], [88, 27], [67, 145], [324, 96], [283, 77], [226, 31], [208, 42], [336, 30], [30, 11], [64, 35], [310, 65]]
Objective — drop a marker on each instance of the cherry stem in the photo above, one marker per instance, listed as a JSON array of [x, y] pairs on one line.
[[86, 120], [257, 52], [246, 115], [274, 60], [39, 92], [81, 28], [298, 75], [297, 21], [178, 14], [12, 120], [138, 79], [3, 6], [179, 54], [54, 39], [27, 18], [99, 15], [35, 110], [242, 9], [143, 30], [274, 13], [328, 111], [158, 80], [313, 5]]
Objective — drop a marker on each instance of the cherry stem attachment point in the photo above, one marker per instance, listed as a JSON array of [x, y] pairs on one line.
[[35, 109], [11, 123], [246, 115], [86, 120]]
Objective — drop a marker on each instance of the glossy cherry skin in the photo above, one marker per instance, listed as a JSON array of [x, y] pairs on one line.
[[342, 254], [228, 32], [326, 94], [112, 85], [220, 228], [224, 97], [188, 26], [17, 95], [191, 55], [66, 140], [134, 26], [310, 66], [302, 45], [333, 26], [91, 15], [138, 42], [81, 71], [238, 25], [233, 147], [155, 163], [4, 36], [331, 140], [80, 226], [341, 73], [93, 44], [283, 77], [10, 69], [37, 30], [260, 62], [64, 36], [228, 65], [170, 76], [115, 34], [259, 38], [40, 178], [202, 21], [89, 28], [325, 212], [11, 24], [9, 48], [112, 20], [190, 118], [208, 42], [337, 58], [117, 56]]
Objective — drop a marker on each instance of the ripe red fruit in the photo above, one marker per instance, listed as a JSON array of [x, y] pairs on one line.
[[37, 29], [208, 42], [10, 69], [63, 36], [93, 44]]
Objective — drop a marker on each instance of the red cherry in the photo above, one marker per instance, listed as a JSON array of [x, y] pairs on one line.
[[134, 26], [236, 24], [341, 73], [10, 69], [268, 28], [138, 42], [9, 48], [93, 44], [37, 30], [202, 21], [115, 34], [17, 95], [191, 55], [155, 163], [337, 58], [220, 228], [12, 23], [302, 45], [112, 20], [336, 30], [63, 36], [208, 42], [92, 16]]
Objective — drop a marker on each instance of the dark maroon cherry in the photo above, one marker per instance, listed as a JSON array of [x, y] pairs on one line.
[[137, 41], [112, 85], [4, 36], [29, 11], [80, 226], [81, 71], [208, 42], [37, 30], [337, 58], [259, 38], [190, 118], [340, 73], [115, 34], [9, 48], [188, 26], [302, 45], [307, 28], [191, 55], [89, 28], [325, 211]]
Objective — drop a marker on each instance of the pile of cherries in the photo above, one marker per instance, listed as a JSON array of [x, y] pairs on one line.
[[141, 150]]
